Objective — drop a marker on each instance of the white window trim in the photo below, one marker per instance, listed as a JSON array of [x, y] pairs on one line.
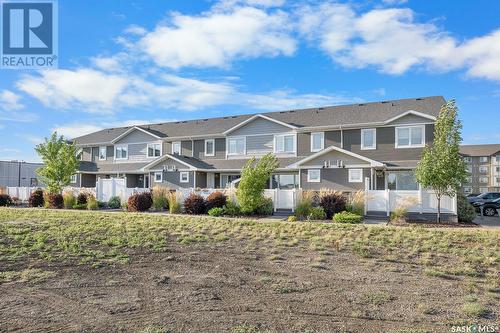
[[467, 159], [483, 167], [105, 153], [236, 138], [310, 180], [213, 145], [410, 145], [355, 180], [121, 146], [294, 142], [180, 147], [363, 131], [73, 179], [161, 177], [322, 141], [483, 159], [187, 176], [152, 144]]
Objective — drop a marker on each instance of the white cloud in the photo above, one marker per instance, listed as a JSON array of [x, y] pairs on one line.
[[10, 100], [135, 30], [394, 2], [392, 41], [217, 37]]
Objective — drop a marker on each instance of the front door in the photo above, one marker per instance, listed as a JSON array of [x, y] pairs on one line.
[[146, 181]]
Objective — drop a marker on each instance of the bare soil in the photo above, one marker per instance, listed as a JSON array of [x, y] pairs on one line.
[[234, 286]]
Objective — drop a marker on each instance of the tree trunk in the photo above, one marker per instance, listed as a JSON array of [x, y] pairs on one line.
[[439, 208]]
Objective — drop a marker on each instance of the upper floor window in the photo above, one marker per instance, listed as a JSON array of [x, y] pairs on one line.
[[154, 149], [176, 147], [284, 143], [410, 136], [102, 153], [317, 141], [121, 152], [483, 159], [497, 169], [483, 169], [368, 138], [236, 146], [467, 159], [72, 179], [79, 154], [483, 179], [210, 147], [497, 158]]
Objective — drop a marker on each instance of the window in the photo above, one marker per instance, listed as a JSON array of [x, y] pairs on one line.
[[497, 169], [498, 179], [236, 146], [401, 180], [467, 190], [285, 181], [158, 177], [469, 169], [72, 179], [154, 149], [210, 147], [176, 147], [184, 177], [468, 180], [467, 159], [483, 159], [409, 137], [102, 153], [483, 169], [317, 141], [355, 175], [483, 189], [79, 154], [483, 179], [368, 139], [314, 175], [121, 152], [497, 158], [284, 143]]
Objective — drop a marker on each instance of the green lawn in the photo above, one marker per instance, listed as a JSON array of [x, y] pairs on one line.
[[100, 238]]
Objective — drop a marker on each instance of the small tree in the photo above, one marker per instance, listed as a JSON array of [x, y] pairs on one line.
[[441, 167], [60, 159], [254, 177]]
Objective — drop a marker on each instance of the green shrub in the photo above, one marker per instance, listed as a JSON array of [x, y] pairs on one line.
[[266, 207], [81, 198], [114, 202], [194, 204], [232, 209], [159, 195], [402, 206], [92, 203], [36, 198], [347, 217], [292, 218], [80, 206], [332, 203], [216, 199], [69, 200], [56, 201], [465, 211], [5, 200], [316, 213], [303, 210], [216, 211], [254, 179]]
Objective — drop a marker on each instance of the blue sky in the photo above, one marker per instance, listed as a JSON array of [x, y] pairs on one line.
[[126, 62]]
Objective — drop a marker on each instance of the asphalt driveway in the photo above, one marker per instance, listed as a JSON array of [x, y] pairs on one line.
[[488, 222]]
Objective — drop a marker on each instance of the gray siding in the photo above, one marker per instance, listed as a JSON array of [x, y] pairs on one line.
[[303, 144], [137, 136], [168, 162], [410, 119], [336, 179], [9, 173], [137, 151], [220, 149], [172, 180], [186, 147], [259, 144], [88, 180], [260, 126], [333, 156], [201, 179], [332, 138], [86, 154]]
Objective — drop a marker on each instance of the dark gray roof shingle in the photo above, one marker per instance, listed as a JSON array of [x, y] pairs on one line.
[[479, 150]]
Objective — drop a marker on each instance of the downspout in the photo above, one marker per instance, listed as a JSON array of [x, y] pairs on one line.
[[341, 137]]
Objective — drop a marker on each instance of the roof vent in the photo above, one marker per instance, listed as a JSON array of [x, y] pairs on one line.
[[321, 109], [292, 111], [384, 102], [225, 117], [282, 111], [361, 104], [234, 117], [420, 99]]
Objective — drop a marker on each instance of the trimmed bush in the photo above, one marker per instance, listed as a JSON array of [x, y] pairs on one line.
[[194, 204], [216, 211], [56, 201], [139, 202], [266, 207], [292, 218], [232, 209], [69, 200], [81, 199], [465, 211], [159, 195], [114, 202], [316, 213], [5, 200], [216, 199], [347, 217], [333, 203], [36, 198], [92, 203]]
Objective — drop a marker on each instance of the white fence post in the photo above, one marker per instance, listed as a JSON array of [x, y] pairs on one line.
[[367, 189], [387, 202], [420, 203]]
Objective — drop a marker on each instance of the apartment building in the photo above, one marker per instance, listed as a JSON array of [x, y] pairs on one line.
[[483, 165]]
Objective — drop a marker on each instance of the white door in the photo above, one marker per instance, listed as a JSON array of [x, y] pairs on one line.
[[285, 199]]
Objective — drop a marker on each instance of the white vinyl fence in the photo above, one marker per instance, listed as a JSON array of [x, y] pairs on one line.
[[107, 188], [23, 193]]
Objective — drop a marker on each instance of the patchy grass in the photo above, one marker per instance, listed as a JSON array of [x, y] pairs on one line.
[[378, 298], [475, 310], [98, 238], [26, 275]]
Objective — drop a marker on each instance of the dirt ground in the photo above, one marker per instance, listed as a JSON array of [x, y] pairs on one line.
[[233, 287]]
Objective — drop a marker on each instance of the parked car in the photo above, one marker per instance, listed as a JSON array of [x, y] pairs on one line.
[[488, 196], [472, 195], [490, 208]]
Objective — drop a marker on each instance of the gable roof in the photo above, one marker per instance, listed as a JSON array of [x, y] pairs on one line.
[[480, 150], [376, 113], [373, 163], [244, 122], [156, 134]]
